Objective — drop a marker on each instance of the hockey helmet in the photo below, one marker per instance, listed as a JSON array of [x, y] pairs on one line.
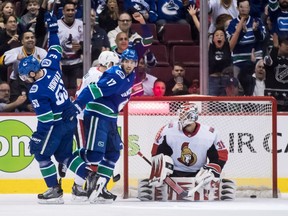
[[188, 113], [27, 65], [129, 54], [106, 57]]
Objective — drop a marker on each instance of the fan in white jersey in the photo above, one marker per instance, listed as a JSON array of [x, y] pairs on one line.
[[195, 149]]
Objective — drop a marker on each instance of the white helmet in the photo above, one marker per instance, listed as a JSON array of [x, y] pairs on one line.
[[188, 113], [106, 57]]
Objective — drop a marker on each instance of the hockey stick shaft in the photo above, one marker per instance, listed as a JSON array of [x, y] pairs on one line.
[[169, 181]]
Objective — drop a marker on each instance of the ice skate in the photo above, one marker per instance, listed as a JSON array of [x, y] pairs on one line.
[[53, 195], [90, 183], [104, 197], [79, 194]]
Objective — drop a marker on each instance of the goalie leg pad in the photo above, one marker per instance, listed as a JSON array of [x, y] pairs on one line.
[[151, 193], [227, 189], [162, 166]]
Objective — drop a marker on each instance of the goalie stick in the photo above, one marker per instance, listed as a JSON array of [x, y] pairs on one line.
[[169, 181]]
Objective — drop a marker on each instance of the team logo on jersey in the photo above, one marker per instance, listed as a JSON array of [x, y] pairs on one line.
[[282, 73], [33, 89], [120, 73], [188, 158], [46, 62]]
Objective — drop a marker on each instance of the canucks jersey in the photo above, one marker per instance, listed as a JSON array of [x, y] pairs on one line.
[[109, 95], [48, 94], [190, 151]]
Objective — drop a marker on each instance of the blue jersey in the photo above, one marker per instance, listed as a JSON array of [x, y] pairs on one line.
[[107, 97], [48, 94]]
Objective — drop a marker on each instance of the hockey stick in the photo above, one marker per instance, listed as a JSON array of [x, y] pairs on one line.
[[169, 181]]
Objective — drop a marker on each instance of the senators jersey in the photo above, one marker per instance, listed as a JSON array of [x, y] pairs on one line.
[[109, 95], [190, 151]]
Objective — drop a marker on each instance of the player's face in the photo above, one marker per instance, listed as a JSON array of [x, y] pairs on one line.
[[28, 40], [128, 65]]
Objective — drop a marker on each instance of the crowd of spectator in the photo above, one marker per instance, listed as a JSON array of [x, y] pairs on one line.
[[248, 44]]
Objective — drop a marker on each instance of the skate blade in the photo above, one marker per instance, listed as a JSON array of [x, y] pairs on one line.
[[101, 200], [79, 199], [58, 200]]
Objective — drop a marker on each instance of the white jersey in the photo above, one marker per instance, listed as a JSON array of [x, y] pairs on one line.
[[92, 76], [190, 151], [11, 57], [67, 35]]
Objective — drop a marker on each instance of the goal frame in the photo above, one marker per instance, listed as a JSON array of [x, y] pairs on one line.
[[196, 98]]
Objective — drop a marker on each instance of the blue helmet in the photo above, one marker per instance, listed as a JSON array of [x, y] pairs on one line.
[[129, 54], [27, 65]]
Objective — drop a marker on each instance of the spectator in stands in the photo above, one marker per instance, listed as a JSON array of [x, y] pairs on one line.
[[9, 39], [13, 57], [278, 13], [143, 73], [259, 79], [219, 7], [192, 10], [223, 21], [258, 8], [6, 10], [108, 18], [146, 8], [29, 19], [5, 104], [99, 40], [244, 34], [124, 25], [78, 8], [177, 85], [219, 58], [159, 88], [71, 38], [194, 87], [232, 86], [276, 84]]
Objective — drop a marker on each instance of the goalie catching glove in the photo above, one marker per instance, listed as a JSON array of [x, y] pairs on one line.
[[162, 166], [207, 173]]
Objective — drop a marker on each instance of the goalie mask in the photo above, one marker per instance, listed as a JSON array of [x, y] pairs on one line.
[[107, 57], [188, 113]]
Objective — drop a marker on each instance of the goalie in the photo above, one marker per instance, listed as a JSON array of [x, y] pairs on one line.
[[191, 152]]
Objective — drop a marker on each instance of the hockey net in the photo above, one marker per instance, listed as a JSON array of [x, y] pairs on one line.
[[246, 125]]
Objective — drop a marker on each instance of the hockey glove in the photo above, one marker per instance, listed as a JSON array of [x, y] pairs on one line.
[[207, 173], [51, 22], [71, 112], [36, 142]]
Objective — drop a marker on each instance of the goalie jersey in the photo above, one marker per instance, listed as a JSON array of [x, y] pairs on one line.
[[190, 151], [109, 95]]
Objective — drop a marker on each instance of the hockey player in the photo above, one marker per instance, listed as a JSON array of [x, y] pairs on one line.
[[53, 136], [190, 148], [103, 101]]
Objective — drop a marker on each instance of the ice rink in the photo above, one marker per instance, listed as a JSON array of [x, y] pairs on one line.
[[26, 205]]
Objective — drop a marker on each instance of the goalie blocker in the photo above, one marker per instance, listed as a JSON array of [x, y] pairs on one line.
[[217, 189]]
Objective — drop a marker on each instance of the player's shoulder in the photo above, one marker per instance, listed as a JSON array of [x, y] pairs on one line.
[[116, 72], [207, 128]]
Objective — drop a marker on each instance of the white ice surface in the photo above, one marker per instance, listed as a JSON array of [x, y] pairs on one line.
[[26, 205]]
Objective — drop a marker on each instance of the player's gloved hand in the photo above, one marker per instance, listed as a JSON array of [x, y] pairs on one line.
[[51, 22], [36, 142], [71, 112], [268, 60], [207, 173]]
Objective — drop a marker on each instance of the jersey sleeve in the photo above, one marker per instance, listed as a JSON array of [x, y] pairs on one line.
[[160, 144], [218, 152]]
